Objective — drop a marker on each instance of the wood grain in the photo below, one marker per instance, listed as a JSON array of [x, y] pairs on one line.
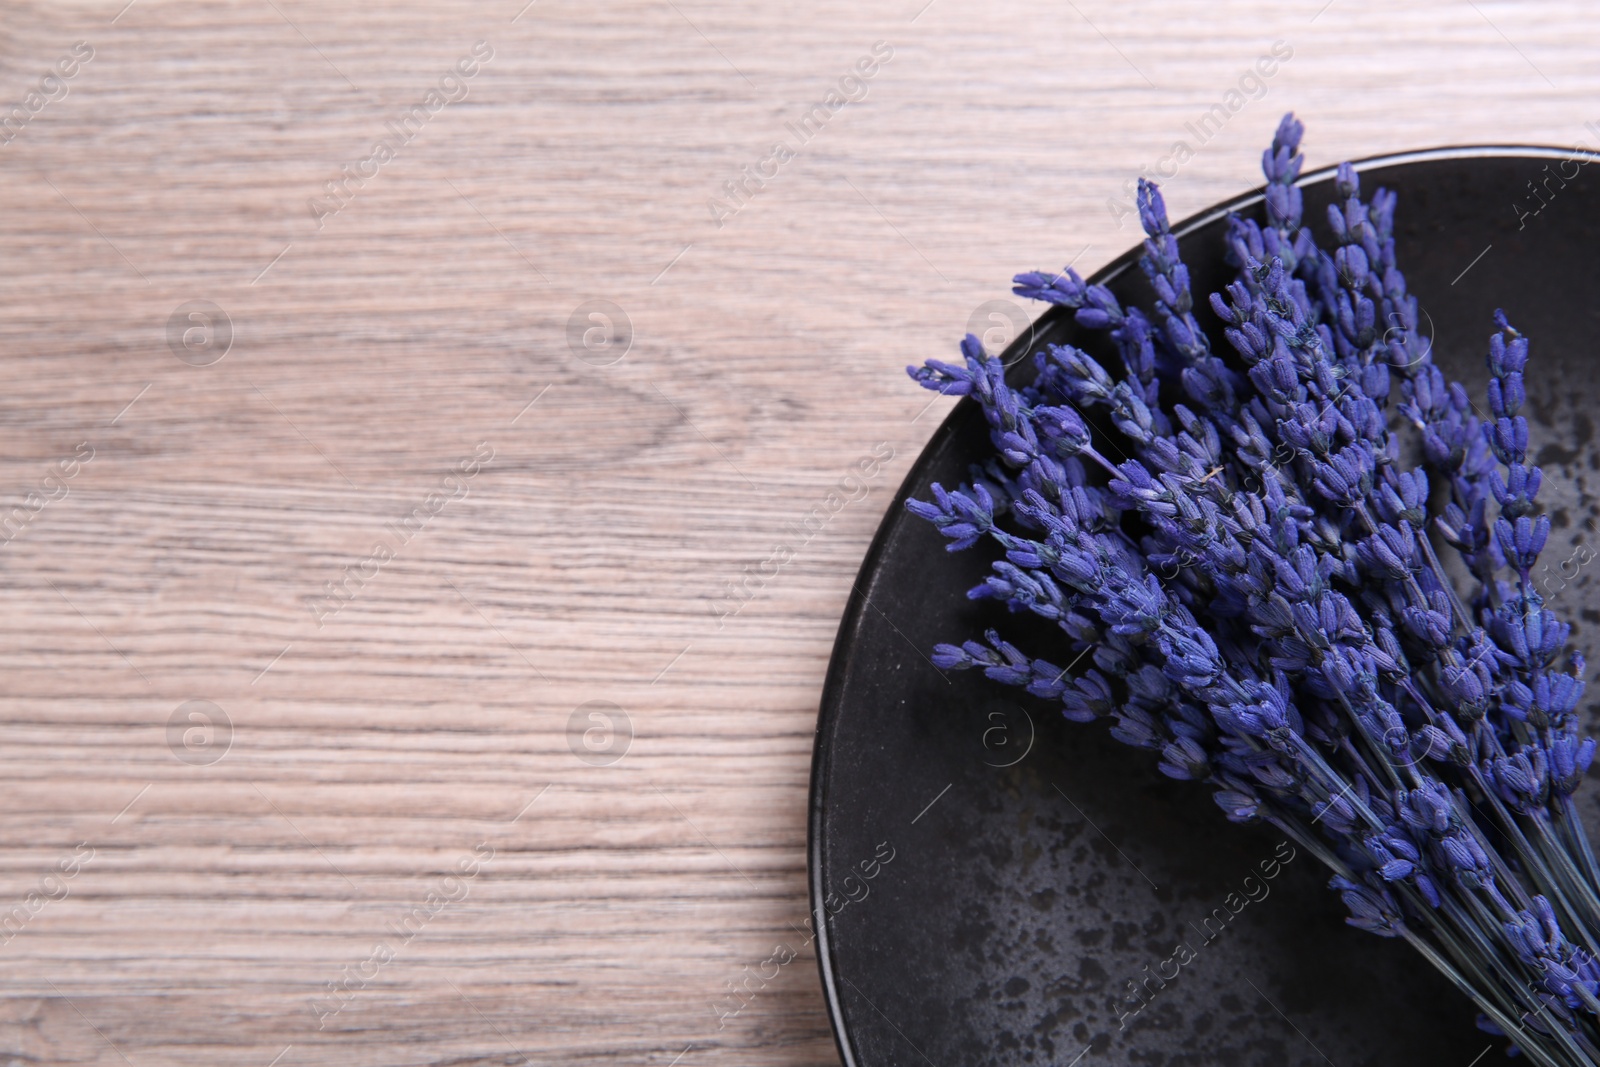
[[369, 755]]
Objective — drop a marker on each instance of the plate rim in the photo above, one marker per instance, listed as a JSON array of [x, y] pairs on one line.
[[850, 620]]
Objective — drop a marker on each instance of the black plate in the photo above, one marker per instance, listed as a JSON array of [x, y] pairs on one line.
[[971, 913]]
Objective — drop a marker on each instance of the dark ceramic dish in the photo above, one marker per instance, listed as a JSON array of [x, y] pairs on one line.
[[988, 880]]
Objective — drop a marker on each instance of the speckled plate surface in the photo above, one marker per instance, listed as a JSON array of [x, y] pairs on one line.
[[988, 880]]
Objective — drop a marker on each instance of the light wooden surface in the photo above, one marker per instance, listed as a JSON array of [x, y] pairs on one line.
[[210, 905]]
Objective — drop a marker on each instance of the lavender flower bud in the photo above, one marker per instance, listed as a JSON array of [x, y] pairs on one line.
[[1516, 700], [1062, 429], [1346, 476], [1391, 552], [942, 377], [1088, 380], [1137, 727], [1375, 381], [1467, 860], [1238, 807], [1150, 686], [1129, 413], [1430, 626], [1079, 569], [1406, 498], [1371, 910], [1433, 743], [1191, 658], [1066, 288], [1569, 762], [1508, 438], [1506, 358], [1521, 780], [1336, 813], [1506, 395], [1521, 543], [1101, 310], [1427, 807], [1396, 857], [1088, 698], [958, 516], [1558, 694], [1351, 263], [1468, 689], [1516, 489]]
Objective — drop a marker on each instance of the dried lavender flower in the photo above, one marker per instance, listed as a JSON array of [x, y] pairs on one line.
[[1256, 587]]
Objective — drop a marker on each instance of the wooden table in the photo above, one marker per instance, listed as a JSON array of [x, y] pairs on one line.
[[373, 687]]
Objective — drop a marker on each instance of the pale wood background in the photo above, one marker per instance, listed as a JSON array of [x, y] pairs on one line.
[[378, 750]]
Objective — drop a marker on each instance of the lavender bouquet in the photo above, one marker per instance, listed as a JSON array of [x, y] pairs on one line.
[[1243, 548]]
